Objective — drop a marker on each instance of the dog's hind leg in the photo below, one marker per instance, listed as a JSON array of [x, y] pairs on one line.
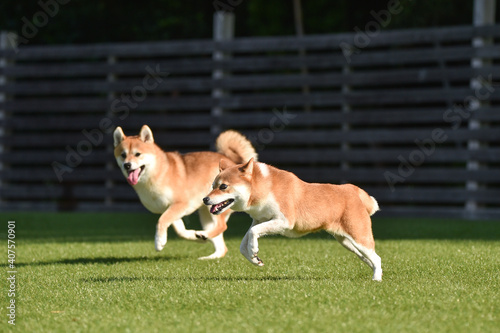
[[181, 230], [214, 226], [373, 257], [345, 242], [367, 255]]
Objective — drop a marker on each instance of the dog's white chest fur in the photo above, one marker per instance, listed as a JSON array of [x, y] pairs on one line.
[[156, 201], [268, 209]]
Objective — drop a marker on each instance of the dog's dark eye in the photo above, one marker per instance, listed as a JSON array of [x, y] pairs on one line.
[[222, 187], [137, 154], [124, 155]]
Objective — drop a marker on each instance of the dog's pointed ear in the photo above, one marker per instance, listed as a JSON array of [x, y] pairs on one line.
[[118, 136], [146, 134], [224, 164], [248, 167]]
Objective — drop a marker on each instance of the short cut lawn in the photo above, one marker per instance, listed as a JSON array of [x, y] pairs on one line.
[[100, 273]]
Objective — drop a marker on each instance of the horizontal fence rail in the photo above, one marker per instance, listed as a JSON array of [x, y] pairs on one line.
[[412, 116]]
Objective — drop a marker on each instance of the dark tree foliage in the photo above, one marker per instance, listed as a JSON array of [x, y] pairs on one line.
[[80, 21]]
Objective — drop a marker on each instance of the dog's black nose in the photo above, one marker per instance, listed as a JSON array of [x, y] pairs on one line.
[[206, 200], [127, 165]]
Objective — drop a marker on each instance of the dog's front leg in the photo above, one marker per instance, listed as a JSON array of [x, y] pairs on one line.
[[244, 248], [272, 227], [173, 213]]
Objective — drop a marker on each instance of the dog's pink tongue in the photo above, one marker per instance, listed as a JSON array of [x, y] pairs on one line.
[[133, 176]]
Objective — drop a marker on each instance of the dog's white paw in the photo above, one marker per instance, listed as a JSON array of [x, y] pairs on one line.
[[377, 276], [219, 253], [201, 235], [253, 258], [189, 235], [253, 249], [256, 260], [160, 241], [211, 257]]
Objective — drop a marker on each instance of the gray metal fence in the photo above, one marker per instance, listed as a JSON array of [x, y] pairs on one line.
[[411, 116]]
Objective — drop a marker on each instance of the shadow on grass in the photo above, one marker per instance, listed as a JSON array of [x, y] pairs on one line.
[[101, 260], [264, 278], [120, 279], [203, 279]]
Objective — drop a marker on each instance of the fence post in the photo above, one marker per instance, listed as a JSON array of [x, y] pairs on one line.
[[223, 30], [299, 30], [8, 41], [483, 14]]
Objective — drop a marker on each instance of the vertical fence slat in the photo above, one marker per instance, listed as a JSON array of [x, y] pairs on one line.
[[8, 42], [346, 109], [223, 30], [484, 14], [109, 183]]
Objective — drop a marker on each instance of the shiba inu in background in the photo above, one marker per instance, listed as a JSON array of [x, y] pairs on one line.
[[173, 185], [280, 203]]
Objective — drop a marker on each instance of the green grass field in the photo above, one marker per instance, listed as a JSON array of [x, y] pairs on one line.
[[100, 273]]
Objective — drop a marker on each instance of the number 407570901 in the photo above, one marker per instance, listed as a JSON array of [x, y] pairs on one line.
[[11, 245]]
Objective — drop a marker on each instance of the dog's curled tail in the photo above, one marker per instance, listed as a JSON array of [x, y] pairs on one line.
[[235, 146], [369, 202]]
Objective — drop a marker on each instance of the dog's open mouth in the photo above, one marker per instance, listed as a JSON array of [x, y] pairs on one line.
[[218, 208], [133, 175]]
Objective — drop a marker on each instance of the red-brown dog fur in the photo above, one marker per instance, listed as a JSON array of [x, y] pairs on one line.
[[173, 184], [280, 203]]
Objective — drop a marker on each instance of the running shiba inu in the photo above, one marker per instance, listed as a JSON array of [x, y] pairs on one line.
[[173, 185], [280, 203]]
